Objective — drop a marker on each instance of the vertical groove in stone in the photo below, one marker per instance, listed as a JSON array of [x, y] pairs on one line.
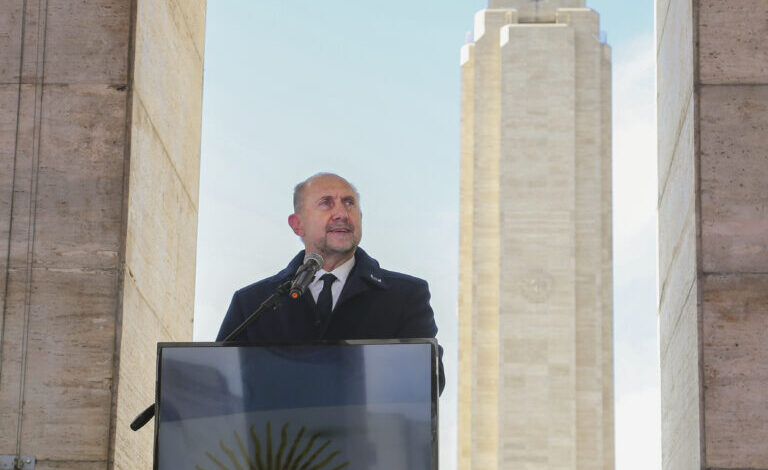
[[120, 281], [11, 175], [9, 398], [696, 117], [33, 198]]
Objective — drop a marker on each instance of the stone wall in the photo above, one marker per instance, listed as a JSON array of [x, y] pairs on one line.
[[713, 221], [100, 106]]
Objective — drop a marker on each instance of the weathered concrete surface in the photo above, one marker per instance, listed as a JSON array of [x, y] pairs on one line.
[[87, 42], [99, 162], [713, 221], [535, 304], [734, 176], [161, 225], [732, 39], [62, 140], [735, 314]]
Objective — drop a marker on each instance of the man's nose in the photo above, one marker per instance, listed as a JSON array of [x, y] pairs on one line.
[[340, 211]]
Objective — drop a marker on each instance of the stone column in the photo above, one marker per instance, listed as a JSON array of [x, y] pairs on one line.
[[713, 232], [535, 305], [100, 112]]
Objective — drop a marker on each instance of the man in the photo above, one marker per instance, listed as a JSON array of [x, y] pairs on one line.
[[351, 296]]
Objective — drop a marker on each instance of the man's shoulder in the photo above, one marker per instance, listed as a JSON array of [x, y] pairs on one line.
[[268, 284], [389, 278], [403, 279]]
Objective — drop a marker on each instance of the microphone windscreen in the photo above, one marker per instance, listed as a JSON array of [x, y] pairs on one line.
[[314, 257]]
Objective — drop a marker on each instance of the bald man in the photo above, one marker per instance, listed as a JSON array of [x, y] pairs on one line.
[[351, 296]]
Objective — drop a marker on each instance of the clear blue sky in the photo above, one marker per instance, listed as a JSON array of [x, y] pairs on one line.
[[370, 90]]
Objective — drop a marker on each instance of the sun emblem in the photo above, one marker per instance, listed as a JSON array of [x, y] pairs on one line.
[[307, 455], [537, 286]]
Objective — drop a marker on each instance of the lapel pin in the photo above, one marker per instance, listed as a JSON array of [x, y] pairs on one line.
[[375, 278]]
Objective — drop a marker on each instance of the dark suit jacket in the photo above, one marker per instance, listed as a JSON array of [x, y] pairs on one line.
[[374, 304]]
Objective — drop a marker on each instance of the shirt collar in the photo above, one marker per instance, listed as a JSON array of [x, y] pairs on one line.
[[341, 272]]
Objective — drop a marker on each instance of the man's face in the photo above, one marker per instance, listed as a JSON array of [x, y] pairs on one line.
[[329, 219]]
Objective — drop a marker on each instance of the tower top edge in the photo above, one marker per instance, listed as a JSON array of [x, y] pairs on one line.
[[537, 11], [537, 4]]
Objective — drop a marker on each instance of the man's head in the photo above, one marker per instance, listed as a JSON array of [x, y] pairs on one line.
[[327, 217]]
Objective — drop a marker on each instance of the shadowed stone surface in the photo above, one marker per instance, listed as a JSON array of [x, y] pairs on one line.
[[10, 42], [734, 178], [79, 212], [733, 38], [97, 231], [87, 42], [736, 369], [69, 372], [713, 248]]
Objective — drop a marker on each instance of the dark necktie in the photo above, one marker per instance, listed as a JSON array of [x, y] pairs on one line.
[[325, 299]]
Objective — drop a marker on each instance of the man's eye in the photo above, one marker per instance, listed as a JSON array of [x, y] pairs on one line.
[[349, 202]]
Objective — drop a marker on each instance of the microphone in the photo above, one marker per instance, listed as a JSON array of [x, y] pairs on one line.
[[305, 274]]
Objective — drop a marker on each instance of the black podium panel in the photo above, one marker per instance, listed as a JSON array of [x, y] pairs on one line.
[[353, 404]]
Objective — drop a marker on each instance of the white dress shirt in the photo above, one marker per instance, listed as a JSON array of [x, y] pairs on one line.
[[341, 272]]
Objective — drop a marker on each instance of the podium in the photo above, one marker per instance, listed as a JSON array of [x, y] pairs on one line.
[[356, 404]]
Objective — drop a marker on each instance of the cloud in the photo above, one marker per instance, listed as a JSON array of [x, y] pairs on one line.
[[634, 136], [638, 422]]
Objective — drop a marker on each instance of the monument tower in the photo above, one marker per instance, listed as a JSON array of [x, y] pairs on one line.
[[535, 302]]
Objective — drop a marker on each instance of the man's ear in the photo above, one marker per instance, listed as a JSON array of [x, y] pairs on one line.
[[295, 222]]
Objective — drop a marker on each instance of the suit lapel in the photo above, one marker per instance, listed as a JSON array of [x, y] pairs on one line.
[[293, 309], [364, 276], [353, 287]]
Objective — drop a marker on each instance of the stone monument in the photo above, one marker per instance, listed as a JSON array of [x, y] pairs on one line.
[[535, 302]]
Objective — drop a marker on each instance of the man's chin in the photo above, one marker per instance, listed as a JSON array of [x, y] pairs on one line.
[[339, 249]]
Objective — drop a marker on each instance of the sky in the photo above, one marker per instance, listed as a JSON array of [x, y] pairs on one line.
[[371, 90]]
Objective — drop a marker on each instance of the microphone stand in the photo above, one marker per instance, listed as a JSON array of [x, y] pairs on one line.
[[272, 302]]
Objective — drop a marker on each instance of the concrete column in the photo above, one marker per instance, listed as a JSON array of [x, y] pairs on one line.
[[100, 107], [713, 221]]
